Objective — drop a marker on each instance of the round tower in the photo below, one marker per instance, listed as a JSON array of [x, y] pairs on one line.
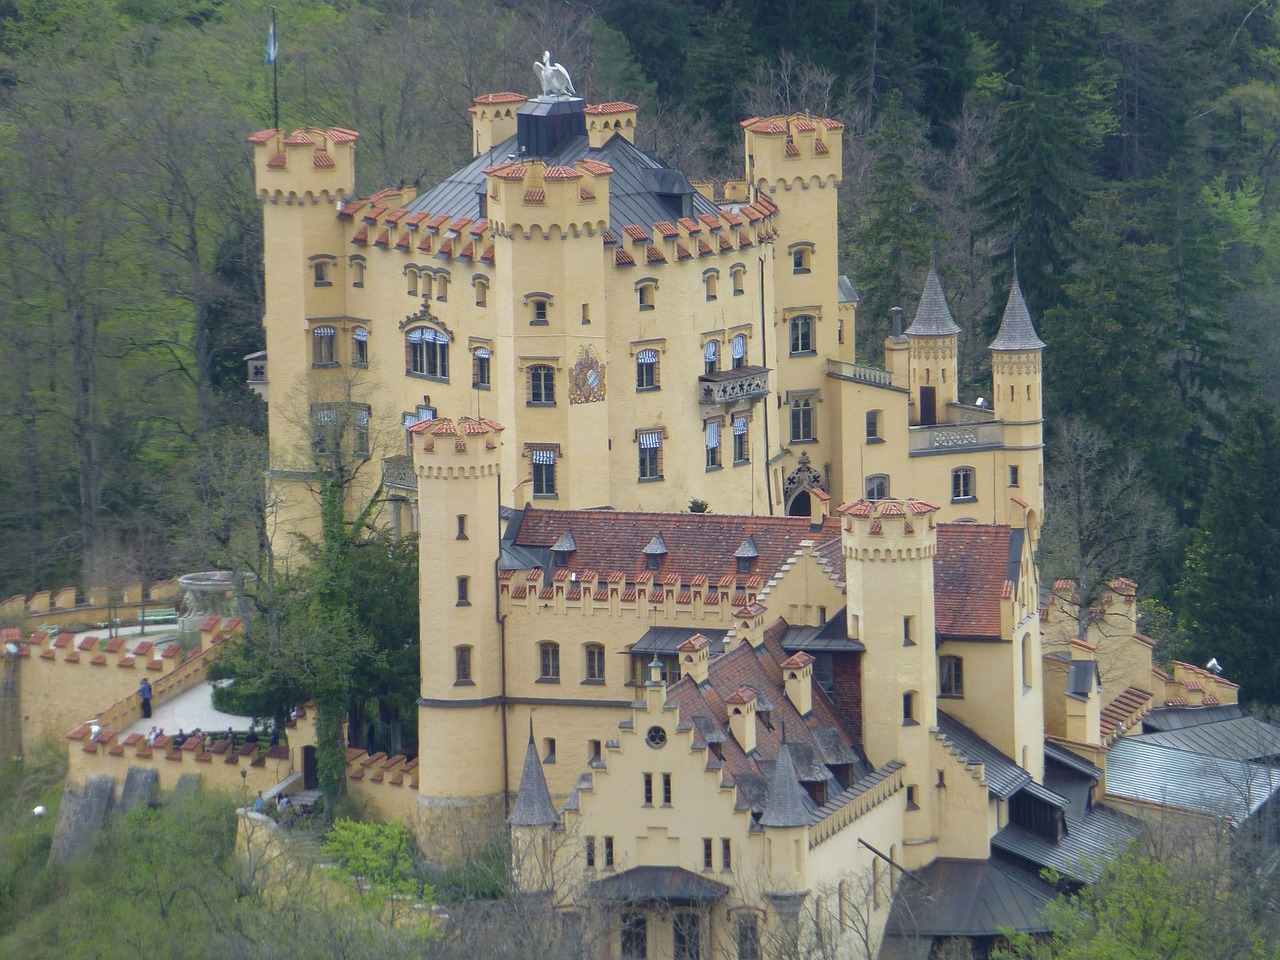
[[933, 349], [1017, 402], [461, 782], [889, 548]]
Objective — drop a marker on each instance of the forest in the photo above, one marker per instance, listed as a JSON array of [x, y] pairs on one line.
[[1121, 155]]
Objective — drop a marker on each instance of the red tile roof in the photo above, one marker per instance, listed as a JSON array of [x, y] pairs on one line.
[[342, 135], [361, 235], [636, 232], [322, 160], [613, 106], [299, 138], [279, 160], [1131, 704], [697, 544], [666, 228], [535, 195], [623, 259], [263, 136], [654, 255], [488, 99], [968, 577], [597, 167], [561, 173]]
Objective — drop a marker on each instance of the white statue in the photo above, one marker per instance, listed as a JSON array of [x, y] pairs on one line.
[[555, 78]]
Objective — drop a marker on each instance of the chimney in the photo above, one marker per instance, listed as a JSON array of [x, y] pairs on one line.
[[797, 672], [895, 323], [694, 657], [742, 717], [819, 505]]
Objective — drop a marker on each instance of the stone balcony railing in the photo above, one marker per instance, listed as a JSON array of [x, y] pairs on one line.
[[946, 437], [730, 386], [397, 472], [843, 370]]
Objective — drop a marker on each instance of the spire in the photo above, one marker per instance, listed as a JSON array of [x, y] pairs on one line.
[[933, 317], [1016, 330], [533, 800], [789, 804]]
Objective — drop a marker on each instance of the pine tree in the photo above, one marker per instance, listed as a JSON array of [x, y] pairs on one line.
[[1228, 600]]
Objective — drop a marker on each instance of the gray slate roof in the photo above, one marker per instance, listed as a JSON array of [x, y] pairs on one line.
[[832, 636], [1244, 738], [933, 316], [1004, 777], [1016, 329], [845, 291], [1176, 718], [533, 800], [1090, 840], [639, 189], [969, 898], [789, 804], [666, 639], [653, 884], [1064, 757], [1218, 786]]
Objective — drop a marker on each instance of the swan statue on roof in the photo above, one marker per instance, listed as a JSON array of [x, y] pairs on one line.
[[555, 78]]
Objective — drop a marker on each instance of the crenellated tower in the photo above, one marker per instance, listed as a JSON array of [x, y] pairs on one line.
[[462, 784], [1016, 383], [889, 548]]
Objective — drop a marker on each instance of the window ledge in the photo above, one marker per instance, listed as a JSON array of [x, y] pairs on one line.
[[329, 365], [358, 283], [547, 680], [539, 323], [324, 283], [742, 463], [539, 403], [713, 468], [912, 805], [650, 479], [546, 496], [911, 723], [647, 389], [464, 683], [964, 499], [951, 696], [360, 364], [423, 376], [479, 386], [875, 439], [646, 306], [463, 603], [804, 353], [809, 440], [593, 683], [801, 270]]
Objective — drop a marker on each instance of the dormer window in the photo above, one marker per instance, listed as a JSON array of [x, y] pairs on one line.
[[654, 551], [745, 556], [744, 564], [652, 561]]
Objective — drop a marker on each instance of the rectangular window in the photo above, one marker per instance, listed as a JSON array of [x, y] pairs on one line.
[[801, 335], [650, 467], [480, 368], [741, 441], [549, 661], [608, 851], [428, 353], [647, 370], [950, 677], [464, 591], [800, 260], [726, 854], [593, 751], [962, 483], [746, 932], [873, 425], [539, 312], [877, 487], [666, 789], [686, 938], [482, 293], [360, 434], [360, 347], [1013, 475], [739, 351], [548, 749], [739, 281], [542, 385], [595, 661], [912, 804], [591, 851], [544, 472], [323, 341], [644, 295], [462, 665], [908, 708], [635, 936], [321, 268], [713, 444], [462, 527], [648, 790], [707, 849], [908, 631], [802, 420]]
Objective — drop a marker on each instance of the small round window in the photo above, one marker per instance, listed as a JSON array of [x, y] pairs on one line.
[[656, 737]]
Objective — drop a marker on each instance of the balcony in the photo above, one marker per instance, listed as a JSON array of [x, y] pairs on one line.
[[398, 472], [856, 372], [730, 386], [949, 437]]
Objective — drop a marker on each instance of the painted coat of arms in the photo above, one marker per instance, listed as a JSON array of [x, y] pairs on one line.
[[586, 378]]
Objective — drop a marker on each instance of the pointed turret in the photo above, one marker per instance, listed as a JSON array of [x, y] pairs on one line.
[[1017, 332], [933, 316], [533, 806], [933, 349], [789, 805]]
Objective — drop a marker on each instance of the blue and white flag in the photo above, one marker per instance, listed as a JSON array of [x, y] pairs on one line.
[[273, 48]]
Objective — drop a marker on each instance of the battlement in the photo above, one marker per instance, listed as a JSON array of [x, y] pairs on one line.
[[309, 163], [888, 529], [557, 200], [793, 150], [607, 120], [70, 605], [470, 445], [738, 227]]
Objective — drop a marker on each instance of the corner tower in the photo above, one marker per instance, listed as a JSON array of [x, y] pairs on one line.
[[462, 782], [1016, 382], [933, 346], [889, 548]]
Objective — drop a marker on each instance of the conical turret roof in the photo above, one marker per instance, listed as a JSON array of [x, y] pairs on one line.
[[933, 316], [789, 804], [533, 800], [1016, 329]]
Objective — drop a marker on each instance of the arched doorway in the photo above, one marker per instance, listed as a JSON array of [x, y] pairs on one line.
[[795, 489]]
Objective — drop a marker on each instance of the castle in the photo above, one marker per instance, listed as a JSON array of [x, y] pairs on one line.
[[727, 734]]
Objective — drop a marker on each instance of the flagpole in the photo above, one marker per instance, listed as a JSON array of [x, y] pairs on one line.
[[275, 71]]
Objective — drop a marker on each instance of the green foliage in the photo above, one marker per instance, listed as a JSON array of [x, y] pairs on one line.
[[1227, 600], [381, 857]]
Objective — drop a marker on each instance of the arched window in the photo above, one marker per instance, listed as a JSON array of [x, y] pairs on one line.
[[801, 335], [877, 486], [739, 350], [357, 271], [549, 662], [801, 257], [645, 292], [442, 286], [595, 661], [542, 385], [711, 279], [962, 486], [950, 677], [427, 353], [480, 368], [711, 356], [482, 291], [739, 275]]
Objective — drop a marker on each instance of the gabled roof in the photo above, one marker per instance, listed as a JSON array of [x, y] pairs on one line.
[[933, 316], [1096, 836], [1242, 738], [652, 884], [974, 561], [968, 898]]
